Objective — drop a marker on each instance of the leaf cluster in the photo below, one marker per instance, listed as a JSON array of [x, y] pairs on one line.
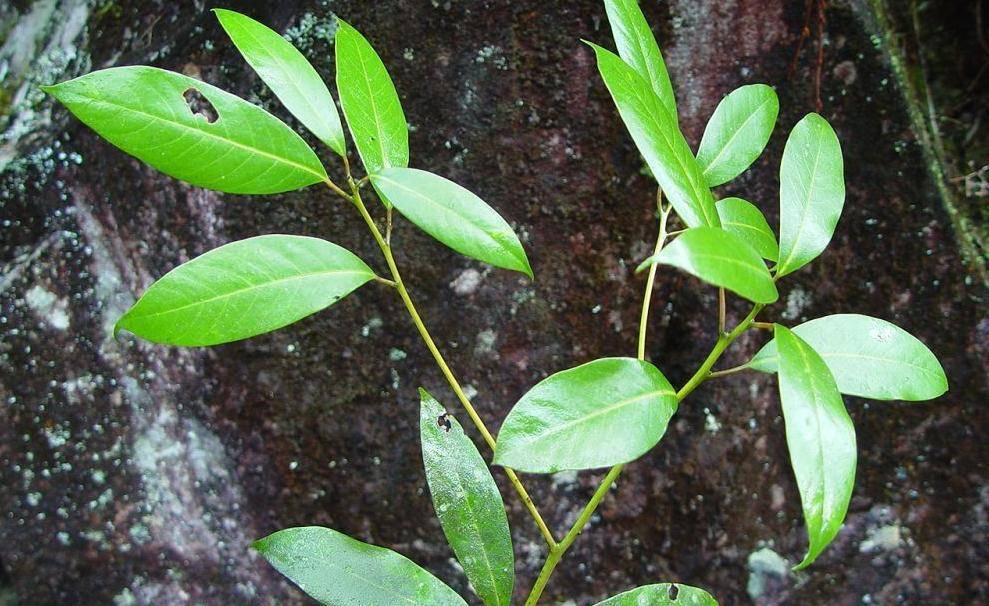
[[604, 413]]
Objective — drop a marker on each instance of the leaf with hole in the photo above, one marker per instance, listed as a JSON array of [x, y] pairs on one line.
[[662, 594], [453, 215], [720, 258], [224, 143], [370, 102], [243, 289], [288, 74], [746, 221], [638, 48], [655, 132], [468, 503], [820, 438], [599, 414], [737, 132], [868, 357], [335, 569], [812, 192]]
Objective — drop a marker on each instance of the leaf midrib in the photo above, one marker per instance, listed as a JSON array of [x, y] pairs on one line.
[[295, 84], [242, 291], [784, 266], [597, 413], [734, 134], [835, 354], [477, 529], [378, 125], [454, 211], [697, 190], [186, 127]]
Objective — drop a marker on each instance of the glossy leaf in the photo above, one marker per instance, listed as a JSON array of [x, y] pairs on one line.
[[737, 132], [720, 258], [335, 569], [244, 288], [812, 192], [638, 48], [288, 74], [746, 221], [468, 503], [655, 132], [599, 414], [453, 215], [662, 594], [820, 438], [370, 102], [219, 142], [868, 357]]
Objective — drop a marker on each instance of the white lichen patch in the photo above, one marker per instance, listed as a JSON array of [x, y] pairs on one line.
[[764, 564], [884, 538], [49, 307], [797, 300]]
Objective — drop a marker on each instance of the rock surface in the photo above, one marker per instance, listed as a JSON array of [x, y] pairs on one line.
[[138, 474]]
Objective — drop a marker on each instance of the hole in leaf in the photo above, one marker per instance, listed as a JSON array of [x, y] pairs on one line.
[[444, 421], [199, 105], [674, 592]]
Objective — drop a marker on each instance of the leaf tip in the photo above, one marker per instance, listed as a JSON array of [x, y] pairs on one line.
[[649, 262], [807, 561]]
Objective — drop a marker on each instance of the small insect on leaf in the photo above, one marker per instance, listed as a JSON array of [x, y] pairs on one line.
[[468, 503], [662, 594]]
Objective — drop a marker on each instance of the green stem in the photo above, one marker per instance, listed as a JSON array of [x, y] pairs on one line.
[[556, 553], [664, 214], [702, 373], [403, 292]]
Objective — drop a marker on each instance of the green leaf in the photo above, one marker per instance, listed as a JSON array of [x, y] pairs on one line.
[[662, 594], [720, 258], [335, 569], [467, 503], [243, 289], [288, 74], [638, 48], [370, 102], [655, 132], [737, 132], [599, 414], [746, 221], [812, 192], [820, 438], [868, 357], [453, 215], [145, 112]]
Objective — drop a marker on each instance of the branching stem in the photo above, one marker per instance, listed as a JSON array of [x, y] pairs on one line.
[[702, 373], [355, 198]]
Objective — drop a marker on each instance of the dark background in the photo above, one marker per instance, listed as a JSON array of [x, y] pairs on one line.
[[138, 474]]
